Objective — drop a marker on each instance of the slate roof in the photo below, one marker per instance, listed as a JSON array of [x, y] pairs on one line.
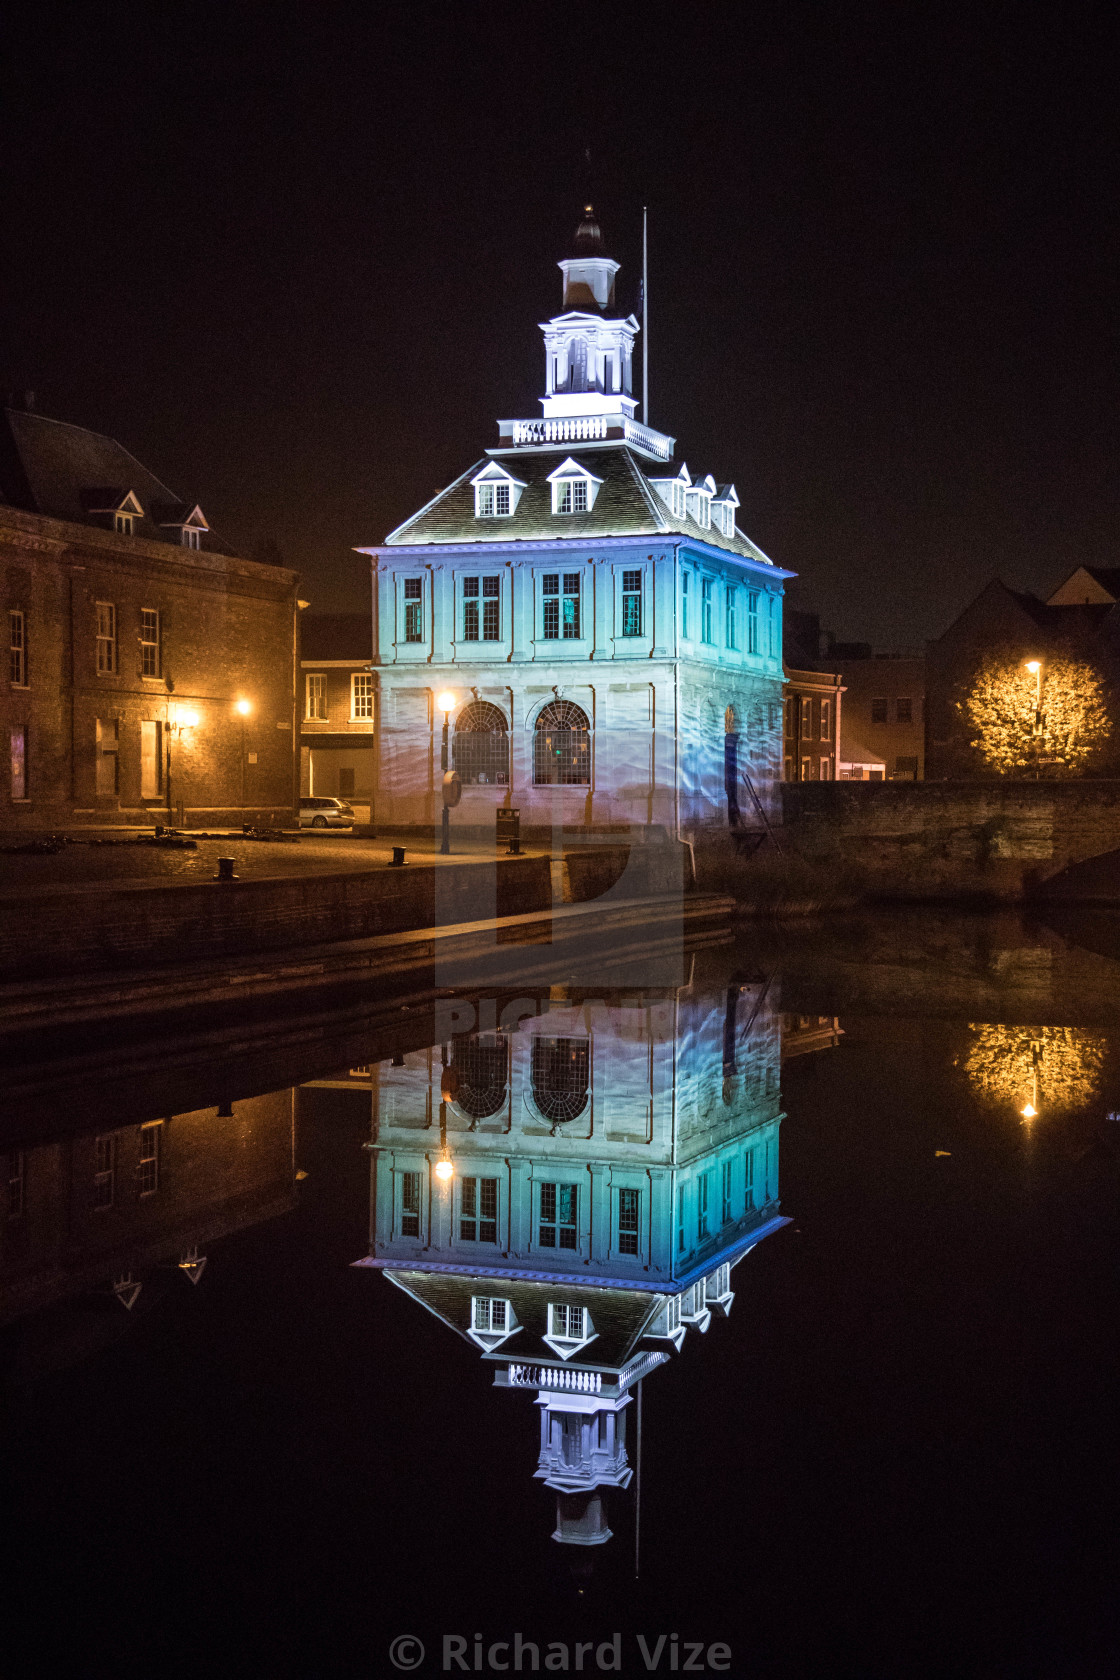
[[626, 505], [619, 1316], [50, 467], [336, 636]]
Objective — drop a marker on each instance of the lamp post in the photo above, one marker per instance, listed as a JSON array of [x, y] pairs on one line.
[[1034, 666], [175, 726], [446, 704], [243, 708]]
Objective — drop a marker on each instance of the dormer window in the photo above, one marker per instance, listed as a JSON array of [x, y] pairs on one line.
[[569, 1328], [124, 522], [573, 488], [678, 499], [723, 508], [192, 537], [699, 507], [496, 493], [117, 509], [183, 524], [492, 1320]]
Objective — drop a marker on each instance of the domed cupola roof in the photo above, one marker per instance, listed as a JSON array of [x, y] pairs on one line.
[[588, 241]]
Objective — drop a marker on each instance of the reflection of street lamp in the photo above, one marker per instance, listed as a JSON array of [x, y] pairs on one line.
[[175, 727], [243, 707], [446, 704], [1030, 1111], [1034, 666]]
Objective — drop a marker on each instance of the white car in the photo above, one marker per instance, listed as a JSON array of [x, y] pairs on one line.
[[325, 813]]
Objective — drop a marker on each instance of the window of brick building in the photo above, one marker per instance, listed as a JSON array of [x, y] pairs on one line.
[[361, 695], [104, 1171], [17, 642], [904, 709], [906, 766], [806, 717], [879, 709], [19, 761], [151, 654], [806, 769], [107, 754], [147, 1171], [826, 720], [825, 768], [106, 638], [151, 759], [316, 695]]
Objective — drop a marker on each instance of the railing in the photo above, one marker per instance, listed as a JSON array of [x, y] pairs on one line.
[[589, 428], [548, 1376]]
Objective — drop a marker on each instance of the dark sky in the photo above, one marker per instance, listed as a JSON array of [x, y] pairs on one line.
[[295, 256]]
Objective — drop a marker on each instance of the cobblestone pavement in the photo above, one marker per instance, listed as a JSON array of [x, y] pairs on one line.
[[82, 865]]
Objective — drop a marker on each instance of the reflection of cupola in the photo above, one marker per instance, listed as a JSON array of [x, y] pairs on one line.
[[588, 273]]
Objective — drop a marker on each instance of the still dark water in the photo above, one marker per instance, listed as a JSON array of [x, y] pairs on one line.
[[787, 1188]]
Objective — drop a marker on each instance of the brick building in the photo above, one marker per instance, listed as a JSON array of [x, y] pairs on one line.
[[151, 671], [811, 717], [883, 737], [337, 740]]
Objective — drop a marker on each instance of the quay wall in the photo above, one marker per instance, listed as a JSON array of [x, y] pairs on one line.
[[999, 840]]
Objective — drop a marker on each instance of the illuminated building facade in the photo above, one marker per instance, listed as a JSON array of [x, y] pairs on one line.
[[570, 1191], [611, 639]]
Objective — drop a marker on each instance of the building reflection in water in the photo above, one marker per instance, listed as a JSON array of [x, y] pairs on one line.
[[608, 1161], [97, 1218], [1034, 1070]]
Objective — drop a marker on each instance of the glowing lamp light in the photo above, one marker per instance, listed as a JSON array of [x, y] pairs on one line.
[[243, 707], [446, 701], [444, 1171], [1034, 666], [1029, 1112], [188, 720]]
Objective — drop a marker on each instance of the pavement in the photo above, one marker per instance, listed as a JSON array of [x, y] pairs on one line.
[[124, 862]]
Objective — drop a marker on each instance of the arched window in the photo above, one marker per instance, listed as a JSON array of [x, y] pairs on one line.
[[562, 746], [480, 747], [561, 1076], [481, 1066]]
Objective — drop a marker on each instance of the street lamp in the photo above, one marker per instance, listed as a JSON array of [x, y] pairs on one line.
[[446, 704]]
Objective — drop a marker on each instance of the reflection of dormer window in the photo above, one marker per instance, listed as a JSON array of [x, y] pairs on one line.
[[492, 1320], [569, 1328]]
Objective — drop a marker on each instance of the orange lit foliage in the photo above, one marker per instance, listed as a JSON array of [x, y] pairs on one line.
[[1000, 708], [1055, 1068]]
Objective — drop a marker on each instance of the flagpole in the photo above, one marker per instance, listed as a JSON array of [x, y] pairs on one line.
[[645, 318]]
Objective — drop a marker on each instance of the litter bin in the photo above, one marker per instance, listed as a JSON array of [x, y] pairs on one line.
[[508, 827]]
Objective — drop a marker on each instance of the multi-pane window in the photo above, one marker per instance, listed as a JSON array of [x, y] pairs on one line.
[[632, 603], [825, 770], [17, 642], [682, 1232], [791, 720], [480, 746], [561, 592], [481, 1064], [15, 1183], [361, 694], [562, 746], [317, 695], [806, 769], [106, 638], [725, 1212], [568, 1324], [410, 1204], [489, 1314], [628, 1207], [570, 496], [104, 1171], [879, 708], [752, 621], [107, 749], [485, 593], [478, 1210], [493, 501], [684, 605], [192, 537], [826, 720], [806, 717], [151, 758], [559, 1204], [748, 1163], [904, 709], [150, 663], [706, 634], [147, 1172], [731, 628], [123, 522], [414, 609], [703, 1189], [561, 1077]]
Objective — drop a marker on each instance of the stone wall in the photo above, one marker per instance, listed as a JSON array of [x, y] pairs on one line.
[[996, 840]]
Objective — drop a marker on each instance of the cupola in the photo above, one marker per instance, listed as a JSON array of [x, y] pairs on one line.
[[589, 273]]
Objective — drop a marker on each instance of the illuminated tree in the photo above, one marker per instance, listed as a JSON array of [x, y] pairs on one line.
[[1054, 718], [1034, 1070]]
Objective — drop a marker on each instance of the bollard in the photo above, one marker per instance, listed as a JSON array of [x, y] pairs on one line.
[[225, 870], [398, 857], [159, 831]]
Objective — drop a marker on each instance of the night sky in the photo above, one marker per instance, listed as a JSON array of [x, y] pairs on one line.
[[296, 261]]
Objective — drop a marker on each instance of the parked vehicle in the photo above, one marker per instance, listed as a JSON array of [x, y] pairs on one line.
[[325, 813]]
